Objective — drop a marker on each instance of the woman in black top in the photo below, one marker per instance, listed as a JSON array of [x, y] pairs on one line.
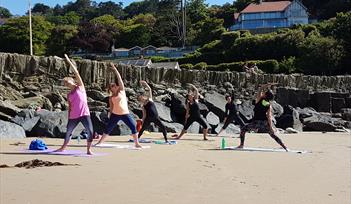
[[231, 113], [150, 113], [262, 120], [193, 113]]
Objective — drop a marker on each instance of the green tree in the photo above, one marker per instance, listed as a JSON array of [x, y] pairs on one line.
[[110, 8], [134, 35], [70, 18], [224, 12], [15, 35], [4, 13], [41, 9], [60, 40], [320, 55], [208, 30], [197, 10], [142, 7]]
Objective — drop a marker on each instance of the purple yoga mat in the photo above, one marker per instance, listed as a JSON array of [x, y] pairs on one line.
[[75, 153]]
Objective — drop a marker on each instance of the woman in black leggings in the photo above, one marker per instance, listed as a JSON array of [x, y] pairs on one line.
[[150, 113], [231, 113], [193, 113], [262, 119]]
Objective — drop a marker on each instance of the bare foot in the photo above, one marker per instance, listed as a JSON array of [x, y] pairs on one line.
[[138, 146], [59, 150], [175, 135], [90, 152], [205, 139], [240, 147]]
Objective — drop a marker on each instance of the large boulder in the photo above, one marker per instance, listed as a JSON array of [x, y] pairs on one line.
[[177, 107], [215, 102], [96, 95], [292, 96], [8, 109], [212, 119], [11, 131], [277, 109], [289, 119], [321, 101], [231, 129], [246, 109], [319, 123], [53, 124], [173, 127], [338, 104], [8, 93], [346, 114], [164, 112], [27, 119], [33, 103]]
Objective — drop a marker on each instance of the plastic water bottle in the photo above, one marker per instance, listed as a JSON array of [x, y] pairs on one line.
[[159, 142], [223, 145]]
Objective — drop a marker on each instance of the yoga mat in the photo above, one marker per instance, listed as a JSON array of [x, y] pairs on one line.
[[141, 141], [119, 146], [172, 142], [75, 153], [257, 149]]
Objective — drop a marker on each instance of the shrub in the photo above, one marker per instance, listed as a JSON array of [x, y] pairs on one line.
[[287, 65], [186, 66], [200, 66], [228, 38], [160, 59]]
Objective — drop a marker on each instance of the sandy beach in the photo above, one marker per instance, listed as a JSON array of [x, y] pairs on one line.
[[192, 171]]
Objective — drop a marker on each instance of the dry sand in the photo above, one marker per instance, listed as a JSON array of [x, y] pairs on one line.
[[189, 172]]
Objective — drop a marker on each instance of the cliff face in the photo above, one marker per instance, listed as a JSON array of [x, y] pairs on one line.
[[97, 73]]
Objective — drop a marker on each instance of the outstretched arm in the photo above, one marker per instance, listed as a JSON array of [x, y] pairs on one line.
[[195, 90], [119, 78], [146, 86], [76, 73]]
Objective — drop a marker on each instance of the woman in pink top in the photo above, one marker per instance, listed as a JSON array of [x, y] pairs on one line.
[[119, 109], [78, 108]]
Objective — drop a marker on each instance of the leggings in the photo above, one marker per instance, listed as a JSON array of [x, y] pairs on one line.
[[127, 119], [88, 125], [232, 118], [192, 119], [156, 121], [261, 125]]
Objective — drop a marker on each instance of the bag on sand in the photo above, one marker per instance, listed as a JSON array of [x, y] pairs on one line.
[[37, 145]]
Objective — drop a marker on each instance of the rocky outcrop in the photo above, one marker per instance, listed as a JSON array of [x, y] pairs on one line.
[[11, 131], [97, 73]]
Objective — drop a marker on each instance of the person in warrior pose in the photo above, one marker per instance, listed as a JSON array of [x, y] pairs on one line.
[[78, 108], [119, 109], [262, 119], [150, 114], [231, 113], [193, 113]]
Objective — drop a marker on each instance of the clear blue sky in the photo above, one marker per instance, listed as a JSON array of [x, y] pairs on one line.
[[19, 7]]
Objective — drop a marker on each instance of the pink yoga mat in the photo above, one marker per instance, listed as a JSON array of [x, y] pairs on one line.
[[75, 153]]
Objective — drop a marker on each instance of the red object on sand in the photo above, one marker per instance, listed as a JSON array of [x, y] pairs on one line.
[[139, 124]]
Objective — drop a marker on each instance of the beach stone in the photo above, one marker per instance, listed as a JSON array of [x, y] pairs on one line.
[[292, 96], [177, 108], [337, 104], [11, 131], [215, 102], [277, 109], [33, 102], [8, 108], [96, 95], [346, 114], [246, 109], [319, 123], [212, 119], [164, 112], [289, 119], [53, 124], [27, 119], [231, 129], [321, 101], [173, 127]]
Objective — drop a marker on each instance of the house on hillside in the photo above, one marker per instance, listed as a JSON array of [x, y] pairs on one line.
[[135, 51], [269, 16], [149, 51], [136, 62]]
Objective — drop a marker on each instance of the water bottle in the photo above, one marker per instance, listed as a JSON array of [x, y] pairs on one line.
[[223, 145], [158, 142]]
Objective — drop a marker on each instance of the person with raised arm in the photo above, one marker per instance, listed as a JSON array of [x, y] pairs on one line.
[[262, 119], [119, 109], [193, 113], [150, 114], [78, 108], [232, 114]]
